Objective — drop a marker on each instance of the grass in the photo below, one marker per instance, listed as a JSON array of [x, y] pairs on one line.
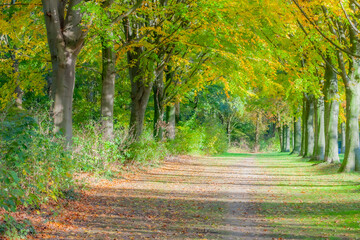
[[232, 155], [311, 200]]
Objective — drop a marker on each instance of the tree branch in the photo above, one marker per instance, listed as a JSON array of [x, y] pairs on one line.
[[131, 10], [322, 34], [348, 18]]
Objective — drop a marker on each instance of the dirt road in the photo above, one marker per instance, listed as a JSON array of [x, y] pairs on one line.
[[186, 198]]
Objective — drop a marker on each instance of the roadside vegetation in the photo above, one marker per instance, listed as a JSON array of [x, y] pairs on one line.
[[310, 200]]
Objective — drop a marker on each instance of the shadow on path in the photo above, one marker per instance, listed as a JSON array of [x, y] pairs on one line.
[[203, 198]]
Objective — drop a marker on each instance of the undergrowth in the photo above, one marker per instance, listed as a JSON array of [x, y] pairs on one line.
[[35, 167], [195, 138]]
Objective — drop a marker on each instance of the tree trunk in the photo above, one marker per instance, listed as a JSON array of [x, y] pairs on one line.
[[140, 93], [170, 119], [343, 139], [257, 134], [19, 97], [283, 130], [158, 90], [281, 137], [309, 134], [108, 90], [286, 138], [352, 152], [351, 79], [303, 127], [297, 136], [331, 115], [316, 128], [65, 82], [65, 39], [19, 93], [228, 131], [177, 112], [319, 148], [273, 130]]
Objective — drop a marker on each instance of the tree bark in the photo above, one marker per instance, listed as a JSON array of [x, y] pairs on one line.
[[170, 119], [319, 148], [286, 138], [65, 38], [64, 90], [352, 152], [297, 136], [351, 79], [140, 93], [331, 114], [158, 91], [281, 137], [108, 90], [177, 112], [257, 133], [303, 126], [19, 93], [108, 76], [343, 139], [228, 131], [309, 121]]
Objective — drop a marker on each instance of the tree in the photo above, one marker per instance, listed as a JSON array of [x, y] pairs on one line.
[[297, 136], [331, 114], [345, 41], [309, 122], [66, 36]]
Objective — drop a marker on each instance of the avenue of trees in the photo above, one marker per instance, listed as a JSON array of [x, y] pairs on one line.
[[90, 83]]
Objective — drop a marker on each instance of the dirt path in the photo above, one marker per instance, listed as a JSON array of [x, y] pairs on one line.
[[187, 198]]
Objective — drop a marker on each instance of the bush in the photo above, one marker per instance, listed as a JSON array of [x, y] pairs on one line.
[[270, 145], [216, 140], [13, 229], [146, 149], [34, 167], [92, 153], [209, 138], [188, 140]]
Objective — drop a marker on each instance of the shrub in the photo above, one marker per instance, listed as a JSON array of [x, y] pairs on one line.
[[92, 153], [146, 149], [209, 138], [188, 140], [34, 167], [270, 145], [13, 229], [215, 138]]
